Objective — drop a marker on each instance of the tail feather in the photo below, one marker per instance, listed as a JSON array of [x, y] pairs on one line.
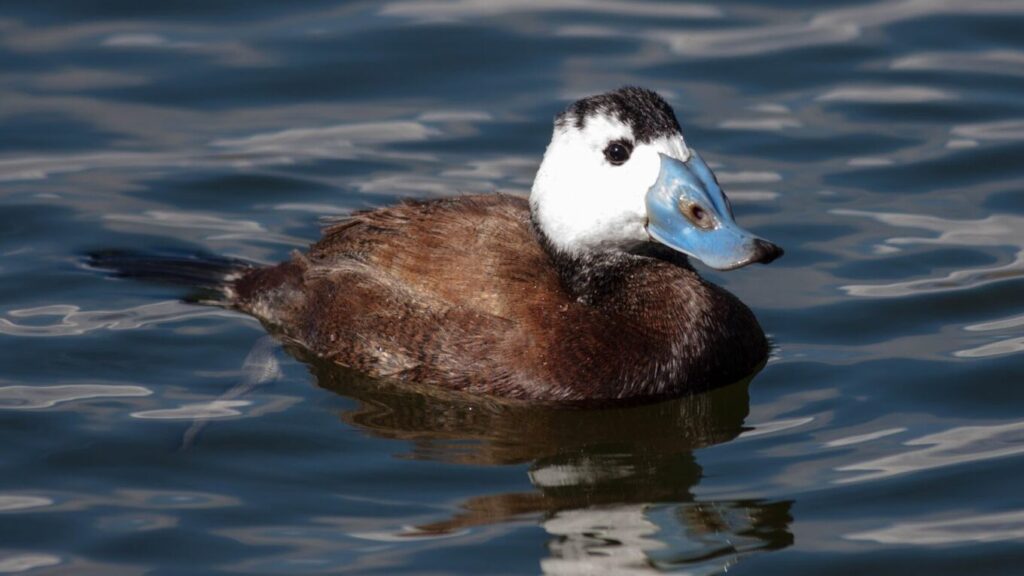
[[202, 271]]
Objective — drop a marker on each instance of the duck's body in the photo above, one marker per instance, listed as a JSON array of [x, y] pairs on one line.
[[465, 293], [584, 293]]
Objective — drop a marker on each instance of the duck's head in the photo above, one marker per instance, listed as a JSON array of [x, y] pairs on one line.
[[618, 173]]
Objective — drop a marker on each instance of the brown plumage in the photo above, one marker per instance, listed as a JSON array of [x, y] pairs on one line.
[[465, 293], [581, 295]]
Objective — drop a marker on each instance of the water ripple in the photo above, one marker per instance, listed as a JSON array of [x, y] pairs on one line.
[[775, 426], [827, 27], [231, 54], [1002, 347], [1003, 62], [885, 94], [74, 322], [332, 141], [861, 438], [135, 499], [197, 411], [38, 397], [761, 124], [602, 540], [17, 502], [16, 563], [949, 448], [963, 529], [279, 147], [995, 230], [221, 228], [999, 348], [132, 125], [999, 130], [456, 10]]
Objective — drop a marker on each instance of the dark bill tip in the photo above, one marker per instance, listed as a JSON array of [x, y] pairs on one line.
[[765, 251]]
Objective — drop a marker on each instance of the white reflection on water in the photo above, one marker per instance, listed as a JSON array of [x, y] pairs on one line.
[[431, 184], [949, 448], [774, 427], [17, 502], [885, 94], [455, 10], [315, 208], [747, 177], [332, 141], [735, 181], [39, 167], [1002, 324], [761, 124], [963, 529], [259, 367], [960, 144], [220, 228], [995, 230], [136, 522], [144, 40], [19, 37], [612, 539], [1003, 62], [15, 563], [1000, 347], [868, 161], [196, 411], [861, 438], [602, 540], [825, 28], [125, 35], [740, 196], [39, 397], [350, 545], [74, 79], [225, 53], [217, 409], [407, 532], [340, 141], [697, 538], [757, 39], [999, 130], [190, 220], [73, 321], [580, 473], [497, 169], [61, 501]]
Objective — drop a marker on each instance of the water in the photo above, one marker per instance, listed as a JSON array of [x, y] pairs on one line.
[[879, 143]]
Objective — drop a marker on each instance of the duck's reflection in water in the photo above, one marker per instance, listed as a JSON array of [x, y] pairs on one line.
[[613, 486]]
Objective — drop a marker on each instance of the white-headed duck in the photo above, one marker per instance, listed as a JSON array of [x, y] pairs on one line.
[[583, 293]]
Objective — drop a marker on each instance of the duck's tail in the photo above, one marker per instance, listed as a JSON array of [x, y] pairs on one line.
[[210, 276]]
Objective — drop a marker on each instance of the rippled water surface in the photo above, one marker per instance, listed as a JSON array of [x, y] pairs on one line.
[[880, 143]]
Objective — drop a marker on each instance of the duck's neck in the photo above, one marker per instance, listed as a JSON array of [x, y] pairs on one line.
[[624, 281], [678, 329]]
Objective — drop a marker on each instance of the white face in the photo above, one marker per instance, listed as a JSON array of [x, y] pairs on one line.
[[582, 200]]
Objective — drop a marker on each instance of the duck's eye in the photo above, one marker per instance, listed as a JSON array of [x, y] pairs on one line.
[[618, 152], [696, 214]]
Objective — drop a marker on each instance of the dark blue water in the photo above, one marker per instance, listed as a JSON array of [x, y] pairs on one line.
[[880, 143]]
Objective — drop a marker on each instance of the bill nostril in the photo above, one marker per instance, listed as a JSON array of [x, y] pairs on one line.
[[766, 251]]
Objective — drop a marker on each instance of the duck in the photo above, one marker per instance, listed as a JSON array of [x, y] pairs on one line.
[[582, 293]]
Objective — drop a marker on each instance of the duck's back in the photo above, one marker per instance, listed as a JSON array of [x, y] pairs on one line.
[[475, 252], [450, 292]]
